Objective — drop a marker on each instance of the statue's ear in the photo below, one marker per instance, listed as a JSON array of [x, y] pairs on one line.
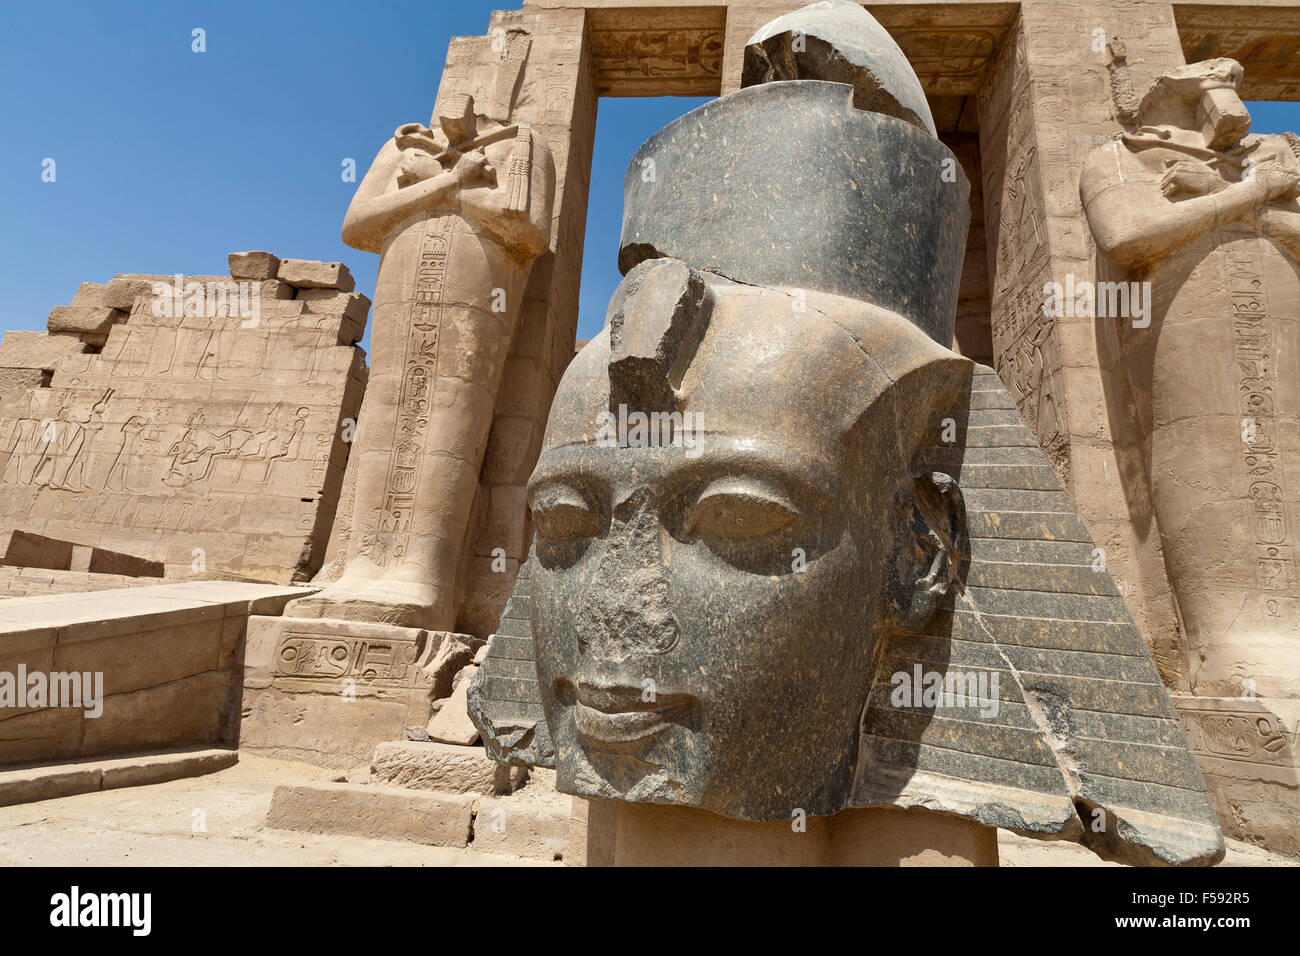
[[931, 552]]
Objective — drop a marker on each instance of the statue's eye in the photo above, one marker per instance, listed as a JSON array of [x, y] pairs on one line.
[[738, 510], [562, 514]]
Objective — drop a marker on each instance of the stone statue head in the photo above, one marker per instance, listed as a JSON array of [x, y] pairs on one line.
[[749, 531], [456, 117], [729, 515], [1201, 98]]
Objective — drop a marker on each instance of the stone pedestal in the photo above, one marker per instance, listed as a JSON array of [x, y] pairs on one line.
[[1247, 751], [327, 691], [615, 833]]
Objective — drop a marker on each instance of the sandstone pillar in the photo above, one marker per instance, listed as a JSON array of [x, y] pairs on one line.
[[535, 67], [1041, 111], [1066, 82], [474, 332], [1203, 221]]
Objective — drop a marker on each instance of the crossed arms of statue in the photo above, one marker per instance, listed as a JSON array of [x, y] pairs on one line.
[[504, 188], [1139, 212]]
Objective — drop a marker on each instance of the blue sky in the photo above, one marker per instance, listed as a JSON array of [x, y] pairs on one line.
[[166, 159]]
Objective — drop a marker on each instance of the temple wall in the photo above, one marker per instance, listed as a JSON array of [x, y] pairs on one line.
[[210, 443]]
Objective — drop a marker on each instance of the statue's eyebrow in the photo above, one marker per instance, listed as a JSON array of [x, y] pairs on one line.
[[798, 474], [722, 454], [561, 463]]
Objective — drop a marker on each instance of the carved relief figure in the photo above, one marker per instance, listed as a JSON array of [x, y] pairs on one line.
[[1206, 214], [118, 476], [193, 455], [52, 452], [20, 444], [458, 214]]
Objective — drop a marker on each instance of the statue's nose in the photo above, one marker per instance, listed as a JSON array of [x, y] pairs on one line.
[[628, 607]]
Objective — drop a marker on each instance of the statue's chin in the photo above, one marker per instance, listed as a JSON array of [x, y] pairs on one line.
[[621, 777]]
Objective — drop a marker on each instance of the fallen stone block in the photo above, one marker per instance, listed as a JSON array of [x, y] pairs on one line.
[[379, 813], [309, 274], [450, 654], [445, 767], [52, 780], [158, 768], [22, 549], [25, 549], [451, 725], [47, 783]]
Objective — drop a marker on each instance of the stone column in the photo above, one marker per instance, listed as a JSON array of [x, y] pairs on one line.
[[1046, 104], [1059, 90], [532, 70], [557, 96]]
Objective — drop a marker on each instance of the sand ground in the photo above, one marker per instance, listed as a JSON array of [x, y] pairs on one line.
[[219, 820]]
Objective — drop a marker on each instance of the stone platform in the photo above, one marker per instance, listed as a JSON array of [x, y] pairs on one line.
[[435, 794], [33, 582], [166, 661], [49, 781]]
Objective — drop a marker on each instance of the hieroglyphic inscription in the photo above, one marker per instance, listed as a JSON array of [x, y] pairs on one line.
[[513, 47], [1264, 45], [1025, 349], [949, 60], [634, 62], [419, 365], [1253, 348], [95, 442], [1252, 735], [332, 657]]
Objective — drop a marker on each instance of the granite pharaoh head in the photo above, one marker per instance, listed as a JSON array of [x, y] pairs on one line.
[[728, 514], [710, 589], [768, 488]]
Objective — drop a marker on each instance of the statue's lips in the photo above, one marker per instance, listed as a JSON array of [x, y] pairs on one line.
[[618, 715]]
